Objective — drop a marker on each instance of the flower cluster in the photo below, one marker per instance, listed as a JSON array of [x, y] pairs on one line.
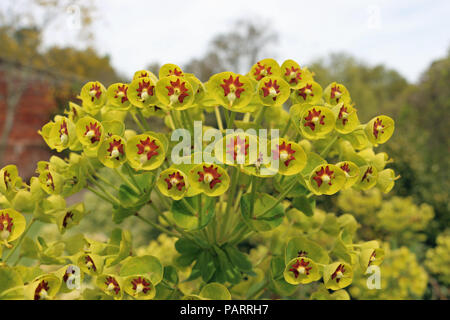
[[215, 197]]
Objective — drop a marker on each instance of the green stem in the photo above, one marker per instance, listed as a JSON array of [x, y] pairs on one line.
[[131, 175], [325, 151], [286, 128], [18, 243], [156, 226], [260, 116], [98, 194], [230, 123], [191, 210], [252, 196], [281, 197], [143, 120], [139, 124], [128, 182], [106, 192], [218, 118], [234, 181]]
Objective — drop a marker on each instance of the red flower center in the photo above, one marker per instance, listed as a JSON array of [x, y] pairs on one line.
[[177, 90], [261, 71], [112, 284], [343, 114], [145, 89], [148, 147], [93, 132], [323, 175], [336, 93], [305, 91], [284, 152], [122, 93], [367, 174], [41, 290], [209, 175], [50, 182], [300, 267], [372, 257], [63, 129], [7, 179], [237, 146], [313, 118], [233, 86], [271, 89], [294, 74], [90, 263], [345, 167], [338, 273], [115, 149], [95, 91], [175, 72], [378, 127], [140, 285], [6, 222], [67, 217], [175, 179]]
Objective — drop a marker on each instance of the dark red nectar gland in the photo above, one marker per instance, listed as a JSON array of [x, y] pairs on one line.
[[177, 91], [367, 174], [209, 175], [271, 89], [41, 292], [313, 118], [115, 149], [237, 147], [140, 285], [262, 71], [95, 92], [67, 218], [324, 175], [93, 132], [284, 152], [112, 285], [232, 88], [90, 263], [300, 267], [147, 149], [377, 128], [343, 114], [294, 74], [175, 179], [145, 90], [6, 224], [121, 93], [305, 91], [336, 93], [338, 273]]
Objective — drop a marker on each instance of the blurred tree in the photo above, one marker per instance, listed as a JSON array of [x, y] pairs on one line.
[[237, 50]]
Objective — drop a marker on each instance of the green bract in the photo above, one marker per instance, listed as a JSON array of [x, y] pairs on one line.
[[336, 93], [273, 91], [316, 122], [142, 92], [12, 225], [337, 275], [232, 91], [89, 132], [379, 129], [327, 179], [112, 152], [294, 75], [117, 96], [301, 270], [93, 95], [307, 91], [264, 68], [175, 92], [145, 152], [211, 179], [172, 183], [291, 157]]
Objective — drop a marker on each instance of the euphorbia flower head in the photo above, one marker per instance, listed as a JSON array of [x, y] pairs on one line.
[[112, 152], [351, 172], [91, 264], [117, 94], [336, 93], [142, 92], [145, 152], [12, 225], [139, 287], [273, 91], [111, 285], [175, 92], [170, 69], [346, 117], [291, 157], [44, 287], [93, 95], [301, 270], [371, 257], [89, 132], [10, 181], [172, 183], [293, 74], [264, 68], [233, 91], [307, 91], [337, 275], [237, 149], [379, 129], [327, 179], [212, 179], [368, 176], [316, 122]]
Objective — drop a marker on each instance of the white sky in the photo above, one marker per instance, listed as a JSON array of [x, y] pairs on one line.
[[406, 35]]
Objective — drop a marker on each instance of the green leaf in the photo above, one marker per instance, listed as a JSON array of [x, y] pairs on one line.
[[270, 220], [238, 259], [215, 291], [11, 284], [143, 265], [186, 219], [305, 205]]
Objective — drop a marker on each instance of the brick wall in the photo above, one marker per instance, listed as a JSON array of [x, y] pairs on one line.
[[25, 146]]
